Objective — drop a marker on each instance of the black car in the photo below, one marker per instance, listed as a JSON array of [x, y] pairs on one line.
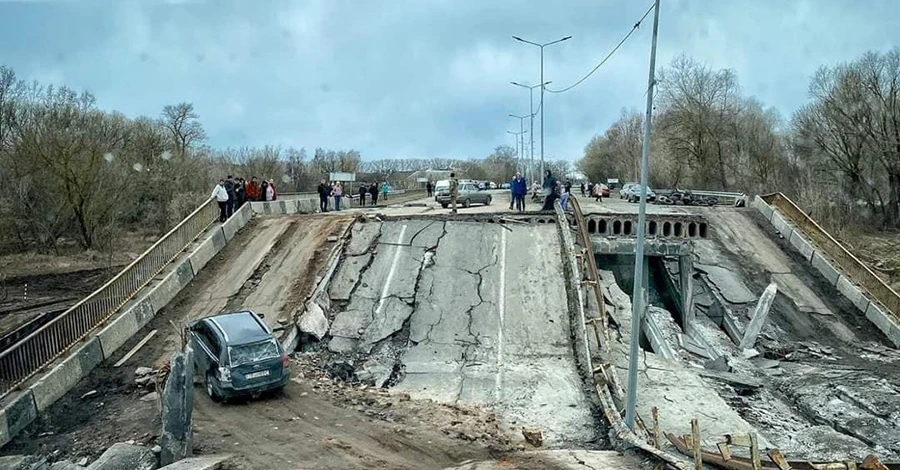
[[237, 354]]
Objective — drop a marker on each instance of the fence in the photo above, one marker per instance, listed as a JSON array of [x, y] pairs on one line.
[[854, 269], [28, 356]]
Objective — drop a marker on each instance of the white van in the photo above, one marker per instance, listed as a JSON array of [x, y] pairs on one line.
[[442, 186]]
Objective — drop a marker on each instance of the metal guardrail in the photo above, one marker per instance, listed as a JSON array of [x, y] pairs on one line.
[[29, 355], [588, 260], [856, 270]]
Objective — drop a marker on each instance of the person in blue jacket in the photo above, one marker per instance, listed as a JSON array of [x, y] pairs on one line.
[[520, 189]]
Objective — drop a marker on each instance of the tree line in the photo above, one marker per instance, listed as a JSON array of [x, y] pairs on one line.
[[79, 174], [838, 156]]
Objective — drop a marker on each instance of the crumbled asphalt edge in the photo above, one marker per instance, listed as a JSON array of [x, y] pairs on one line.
[[602, 428]]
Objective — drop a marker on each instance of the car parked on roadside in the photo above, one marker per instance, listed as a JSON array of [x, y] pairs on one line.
[[470, 192], [631, 192], [236, 354]]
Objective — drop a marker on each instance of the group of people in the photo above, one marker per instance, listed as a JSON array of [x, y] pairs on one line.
[[335, 190], [231, 193]]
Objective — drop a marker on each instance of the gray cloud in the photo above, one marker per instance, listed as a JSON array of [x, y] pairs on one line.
[[406, 78]]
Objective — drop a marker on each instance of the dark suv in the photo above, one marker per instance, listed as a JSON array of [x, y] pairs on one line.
[[237, 354]]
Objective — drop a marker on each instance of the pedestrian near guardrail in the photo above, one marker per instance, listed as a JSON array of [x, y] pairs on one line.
[[323, 191], [454, 192], [337, 191], [221, 196]]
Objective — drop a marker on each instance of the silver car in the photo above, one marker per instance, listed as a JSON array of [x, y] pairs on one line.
[[469, 193]]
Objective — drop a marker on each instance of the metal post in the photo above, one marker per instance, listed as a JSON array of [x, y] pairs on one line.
[[531, 136], [542, 115], [637, 297]]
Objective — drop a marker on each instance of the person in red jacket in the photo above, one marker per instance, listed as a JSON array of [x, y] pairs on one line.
[[253, 190]]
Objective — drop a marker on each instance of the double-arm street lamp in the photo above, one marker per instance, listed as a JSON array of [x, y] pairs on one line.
[[531, 114], [520, 143], [543, 85]]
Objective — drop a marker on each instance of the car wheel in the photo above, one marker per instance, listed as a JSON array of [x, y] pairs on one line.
[[488, 201], [467, 203], [211, 389], [444, 205]]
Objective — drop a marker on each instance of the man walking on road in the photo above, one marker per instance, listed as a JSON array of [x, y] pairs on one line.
[[221, 196], [454, 192], [323, 191]]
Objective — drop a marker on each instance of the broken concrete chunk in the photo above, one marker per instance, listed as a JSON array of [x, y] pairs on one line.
[[313, 321], [123, 456], [64, 465], [533, 436], [142, 371], [152, 396], [207, 462], [719, 364]]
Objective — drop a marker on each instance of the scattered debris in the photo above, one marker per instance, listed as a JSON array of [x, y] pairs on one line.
[[152, 396], [89, 394], [533, 436], [135, 349], [122, 456]]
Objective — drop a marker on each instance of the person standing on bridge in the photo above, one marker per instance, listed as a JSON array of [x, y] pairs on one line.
[[429, 188], [385, 189], [550, 190], [337, 191], [221, 196], [253, 189], [362, 195], [229, 188], [454, 192], [512, 190], [373, 191], [323, 191], [519, 190], [568, 186]]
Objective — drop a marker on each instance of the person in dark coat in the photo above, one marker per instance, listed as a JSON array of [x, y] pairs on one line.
[[324, 191], [550, 191], [520, 189], [362, 195], [373, 191]]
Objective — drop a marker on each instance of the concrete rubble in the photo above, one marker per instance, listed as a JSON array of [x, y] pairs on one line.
[[123, 456]]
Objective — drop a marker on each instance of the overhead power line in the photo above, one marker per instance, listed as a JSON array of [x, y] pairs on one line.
[[633, 29]]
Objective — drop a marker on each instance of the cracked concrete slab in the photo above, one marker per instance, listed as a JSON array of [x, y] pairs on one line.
[[361, 237], [347, 276], [728, 283], [487, 321]]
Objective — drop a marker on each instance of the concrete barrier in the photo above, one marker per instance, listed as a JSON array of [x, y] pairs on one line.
[[238, 220], [765, 209], [307, 206], [16, 416], [802, 245], [132, 318], [207, 249], [885, 322], [853, 293], [174, 278], [826, 268], [53, 385], [781, 224]]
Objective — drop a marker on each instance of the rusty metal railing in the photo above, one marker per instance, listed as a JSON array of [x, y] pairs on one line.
[[853, 268], [590, 264], [29, 355]]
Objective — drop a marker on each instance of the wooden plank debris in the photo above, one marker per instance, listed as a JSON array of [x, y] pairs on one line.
[[135, 349]]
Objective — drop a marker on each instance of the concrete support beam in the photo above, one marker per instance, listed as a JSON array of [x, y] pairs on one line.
[[826, 268], [16, 416], [686, 281], [760, 313], [853, 293]]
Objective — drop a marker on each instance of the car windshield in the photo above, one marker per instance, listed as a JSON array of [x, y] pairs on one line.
[[253, 352]]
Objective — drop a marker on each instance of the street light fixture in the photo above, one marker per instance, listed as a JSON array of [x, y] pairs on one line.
[[543, 86], [518, 144], [521, 131], [531, 113]]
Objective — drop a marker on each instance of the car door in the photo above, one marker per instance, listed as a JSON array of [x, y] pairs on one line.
[[206, 349]]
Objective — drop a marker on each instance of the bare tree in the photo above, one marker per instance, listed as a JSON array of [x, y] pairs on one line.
[[183, 123]]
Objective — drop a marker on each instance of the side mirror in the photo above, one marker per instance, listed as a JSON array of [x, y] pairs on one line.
[[261, 315]]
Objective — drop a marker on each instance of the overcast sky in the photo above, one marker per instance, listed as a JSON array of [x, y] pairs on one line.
[[419, 78]]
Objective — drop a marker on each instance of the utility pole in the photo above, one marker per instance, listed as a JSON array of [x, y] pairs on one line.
[[531, 134], [521, 131], [637, 293]]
